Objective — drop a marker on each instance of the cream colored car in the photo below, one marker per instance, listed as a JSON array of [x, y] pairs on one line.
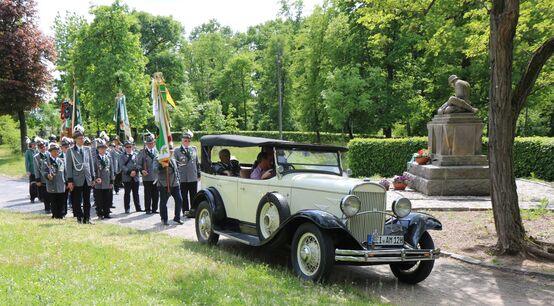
[[312, 206]]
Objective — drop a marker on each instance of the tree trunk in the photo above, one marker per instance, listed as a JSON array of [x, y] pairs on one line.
[[502, 117], [22, 129], [388, 132]]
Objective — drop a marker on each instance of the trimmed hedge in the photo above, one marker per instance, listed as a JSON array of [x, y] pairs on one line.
[[307, 137], [533, 156], [385, 157]]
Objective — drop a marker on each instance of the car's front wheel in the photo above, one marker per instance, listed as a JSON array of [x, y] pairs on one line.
[[413, 273], [312, 253], [204, 224]]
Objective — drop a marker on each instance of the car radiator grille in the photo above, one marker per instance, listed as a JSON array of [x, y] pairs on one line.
[[363, 224]]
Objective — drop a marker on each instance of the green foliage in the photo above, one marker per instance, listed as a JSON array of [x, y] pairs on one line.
[[306, 137], [533, 156], [536, 213], [10, 133], [385, 157]]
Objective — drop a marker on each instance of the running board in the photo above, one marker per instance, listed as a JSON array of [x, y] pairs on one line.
[[240, 237]]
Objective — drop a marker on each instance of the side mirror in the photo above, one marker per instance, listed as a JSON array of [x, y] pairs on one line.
[[348, 172], [280, 169]]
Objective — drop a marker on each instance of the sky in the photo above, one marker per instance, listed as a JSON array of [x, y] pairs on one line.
[[238, 14]]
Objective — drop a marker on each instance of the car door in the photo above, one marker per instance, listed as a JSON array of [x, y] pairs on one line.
[[249, 194], [227, 187]]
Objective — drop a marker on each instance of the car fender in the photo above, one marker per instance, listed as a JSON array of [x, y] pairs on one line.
[[212, 196], [415, 224], [323, 220]]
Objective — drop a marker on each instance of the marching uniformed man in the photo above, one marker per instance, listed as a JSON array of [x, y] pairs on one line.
[[172, 173], [118, 183], [53, 169], [80, 176], [104, 179], [189, 170], [145, 161], [39, 159], [66, 146], [30, 169], [130, 176], [114, 158]]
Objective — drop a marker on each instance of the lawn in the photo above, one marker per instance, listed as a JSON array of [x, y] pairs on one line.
[[45, 261], [11, 164]]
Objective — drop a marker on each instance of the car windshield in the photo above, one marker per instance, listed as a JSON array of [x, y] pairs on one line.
[[305, 160]]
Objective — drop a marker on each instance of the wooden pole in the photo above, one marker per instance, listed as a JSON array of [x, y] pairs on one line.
[[74, 108]]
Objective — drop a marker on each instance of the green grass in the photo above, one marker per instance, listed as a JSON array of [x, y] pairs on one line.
[[11, 164], [59, 262], [536, 213]]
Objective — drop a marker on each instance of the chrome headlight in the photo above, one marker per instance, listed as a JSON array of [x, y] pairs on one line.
[[350, 205], [402, 207]]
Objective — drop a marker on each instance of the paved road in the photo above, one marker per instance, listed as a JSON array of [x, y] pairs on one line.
[[451, 283]]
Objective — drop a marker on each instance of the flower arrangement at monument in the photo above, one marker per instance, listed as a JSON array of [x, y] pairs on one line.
[[385, 184], [422, 157], [400, 182]]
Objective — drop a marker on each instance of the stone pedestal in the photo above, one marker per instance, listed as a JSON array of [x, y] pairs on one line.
[[457, 166]]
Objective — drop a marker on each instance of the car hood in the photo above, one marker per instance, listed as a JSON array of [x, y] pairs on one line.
[[322, 182]]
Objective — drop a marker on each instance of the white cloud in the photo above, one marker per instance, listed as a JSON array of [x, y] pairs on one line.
[[238, 14]]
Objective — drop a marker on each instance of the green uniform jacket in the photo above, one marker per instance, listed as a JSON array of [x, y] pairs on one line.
[[29, 163]]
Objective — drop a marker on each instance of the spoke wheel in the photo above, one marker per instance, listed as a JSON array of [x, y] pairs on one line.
[[312, 253], [269, 219], [204, 224]]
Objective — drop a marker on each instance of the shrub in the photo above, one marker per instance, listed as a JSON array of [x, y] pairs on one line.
[[533, 156], [10, 132], [385, 157], [307, 137]]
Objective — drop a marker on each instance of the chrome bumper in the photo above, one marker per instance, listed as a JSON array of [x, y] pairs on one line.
[[386, 255]]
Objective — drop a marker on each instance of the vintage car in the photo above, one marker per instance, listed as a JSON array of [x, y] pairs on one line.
[[312, 206]]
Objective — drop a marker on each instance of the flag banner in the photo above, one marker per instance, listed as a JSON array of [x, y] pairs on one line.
[[160, 99], [70, 115], [120, 116]]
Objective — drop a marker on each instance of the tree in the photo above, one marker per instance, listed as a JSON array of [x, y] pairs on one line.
[[109, 58], [237, 86], [505, 106], [161, 39], [24, 56]]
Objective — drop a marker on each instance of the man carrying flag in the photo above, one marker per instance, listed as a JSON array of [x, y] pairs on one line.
[[166, 169]]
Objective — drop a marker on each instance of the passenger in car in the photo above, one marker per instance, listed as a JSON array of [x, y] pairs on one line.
[[226, 166], [263, 171]]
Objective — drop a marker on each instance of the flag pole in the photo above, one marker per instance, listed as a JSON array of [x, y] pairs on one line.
[[74, 107]]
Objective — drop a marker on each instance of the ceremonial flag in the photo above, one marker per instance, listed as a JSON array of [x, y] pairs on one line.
[[120, 116], [160, 99]]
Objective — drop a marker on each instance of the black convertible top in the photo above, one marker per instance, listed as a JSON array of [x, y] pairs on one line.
[[249, 141]]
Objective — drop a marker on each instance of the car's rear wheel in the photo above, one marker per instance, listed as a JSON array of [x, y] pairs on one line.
[[413, 273], [204, 224], [312, 253]]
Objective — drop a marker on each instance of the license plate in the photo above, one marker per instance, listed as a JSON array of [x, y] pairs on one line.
[[385, 240]]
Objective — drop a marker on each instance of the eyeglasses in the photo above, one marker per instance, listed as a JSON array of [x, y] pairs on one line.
[[128, 147], [186, 140]]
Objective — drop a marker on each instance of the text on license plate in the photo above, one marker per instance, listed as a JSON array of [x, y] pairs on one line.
[[385, 240]]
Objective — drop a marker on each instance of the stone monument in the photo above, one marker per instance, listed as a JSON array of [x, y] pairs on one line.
[[457, 166]]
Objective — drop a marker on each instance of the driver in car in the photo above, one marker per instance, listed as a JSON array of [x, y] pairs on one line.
[[226, 166], [264, 169]]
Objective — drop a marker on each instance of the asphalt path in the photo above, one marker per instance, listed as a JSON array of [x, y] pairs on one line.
[[450, 283]]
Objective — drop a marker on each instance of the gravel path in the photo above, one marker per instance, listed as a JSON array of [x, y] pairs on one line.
[[451, 283]]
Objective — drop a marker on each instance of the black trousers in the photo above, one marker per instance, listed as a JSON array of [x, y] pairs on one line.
[[41, 192], [188, 191], [118, 182], [131, 186], [33, 189], [45, 196], [151, 196], [164, 196], [58, 204], [81, 194], [102, 200]]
